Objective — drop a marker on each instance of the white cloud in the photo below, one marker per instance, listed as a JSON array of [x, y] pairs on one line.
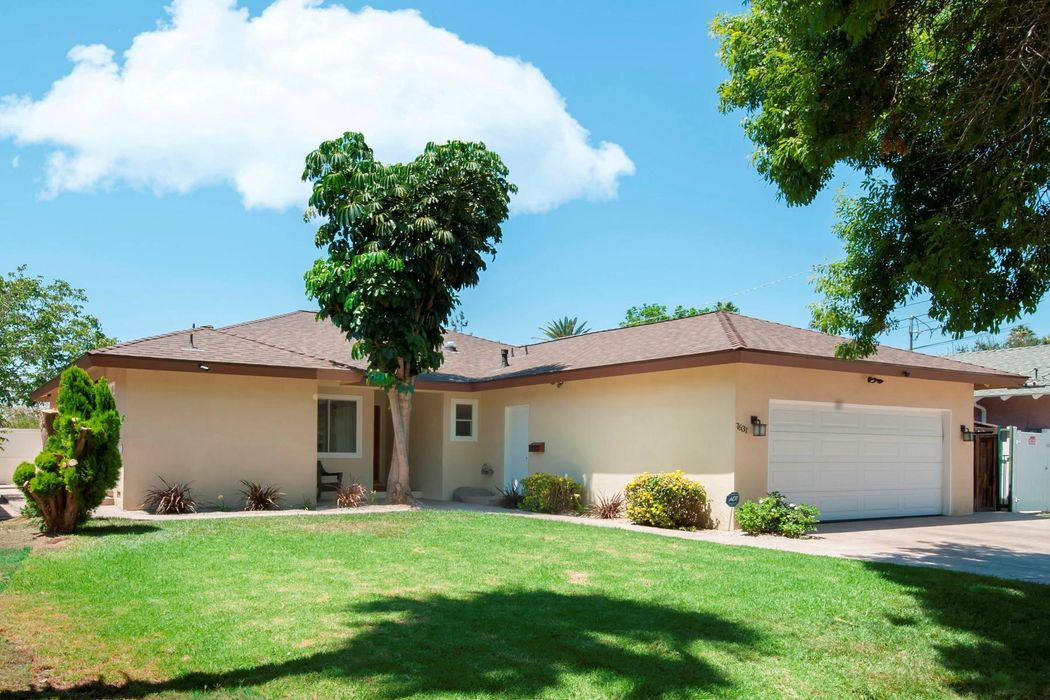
[[217, 96], [15, 161]]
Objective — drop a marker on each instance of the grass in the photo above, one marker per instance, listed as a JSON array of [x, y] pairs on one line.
[[443, 604]]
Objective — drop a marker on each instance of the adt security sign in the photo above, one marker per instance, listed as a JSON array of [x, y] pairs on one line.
[[733, 499]]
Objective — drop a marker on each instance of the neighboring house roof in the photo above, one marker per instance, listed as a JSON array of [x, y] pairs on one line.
[[296, 344], [1033, 362]]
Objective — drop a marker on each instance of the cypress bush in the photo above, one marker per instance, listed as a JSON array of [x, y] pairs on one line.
[[80, 460]]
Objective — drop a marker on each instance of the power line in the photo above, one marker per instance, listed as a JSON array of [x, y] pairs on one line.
[[943, 342], [760, 286]]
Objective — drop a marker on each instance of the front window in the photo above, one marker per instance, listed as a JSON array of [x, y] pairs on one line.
[[464, 420], [338, 426]]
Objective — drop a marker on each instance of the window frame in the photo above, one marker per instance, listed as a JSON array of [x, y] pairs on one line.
[[473, 437], [359, 428]]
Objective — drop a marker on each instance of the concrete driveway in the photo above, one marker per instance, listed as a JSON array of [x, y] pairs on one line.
[[1007, 545]]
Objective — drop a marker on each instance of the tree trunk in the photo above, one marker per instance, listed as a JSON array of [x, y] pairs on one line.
[[398, 488]]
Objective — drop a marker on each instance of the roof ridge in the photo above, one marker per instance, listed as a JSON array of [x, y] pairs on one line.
[[832, 335], [279, 347], [618, 328], [735, 341], [136, 341], [267, 318]]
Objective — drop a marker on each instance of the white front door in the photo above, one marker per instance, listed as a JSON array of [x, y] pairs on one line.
[[515, 444], [857, 461]]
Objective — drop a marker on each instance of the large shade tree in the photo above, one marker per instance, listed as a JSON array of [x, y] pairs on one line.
[[402, 240], [652, 313], [944, 106], [43, 328]]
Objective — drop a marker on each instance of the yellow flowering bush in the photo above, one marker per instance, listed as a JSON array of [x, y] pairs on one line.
[[666, 499]]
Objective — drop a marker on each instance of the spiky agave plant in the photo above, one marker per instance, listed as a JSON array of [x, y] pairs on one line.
[[564, 328], [351, 495], [170, 499], [606, 507], [259, 497]]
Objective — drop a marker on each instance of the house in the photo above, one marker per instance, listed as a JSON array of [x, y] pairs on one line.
[[1018, 406], [739, 403]]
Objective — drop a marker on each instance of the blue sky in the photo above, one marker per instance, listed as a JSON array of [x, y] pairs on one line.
[[693, 224]]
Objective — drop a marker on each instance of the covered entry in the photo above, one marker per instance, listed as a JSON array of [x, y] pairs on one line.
[[854, 461]]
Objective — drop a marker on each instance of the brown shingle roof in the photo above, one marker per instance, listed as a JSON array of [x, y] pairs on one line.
[[298, 340]]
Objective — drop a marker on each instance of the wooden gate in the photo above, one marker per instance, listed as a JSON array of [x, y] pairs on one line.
[[986, 471]]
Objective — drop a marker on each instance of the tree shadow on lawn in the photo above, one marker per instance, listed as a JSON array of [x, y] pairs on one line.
[[103, 530], [513, 644], [1010, 619]]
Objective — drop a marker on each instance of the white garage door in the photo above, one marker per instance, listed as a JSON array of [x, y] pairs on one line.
[[857, 461]]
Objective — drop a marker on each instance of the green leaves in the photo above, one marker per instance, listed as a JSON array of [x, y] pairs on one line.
[[945, 109], [43, 328], [564, 328], [81, 459], [401, 241], [652, 313]]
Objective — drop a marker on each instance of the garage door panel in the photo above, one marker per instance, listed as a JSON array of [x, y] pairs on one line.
[[926, 476], [922, 501], [839, 421], [791, 446], [881, 477], [791, 418], [857, 462], [800, 479]]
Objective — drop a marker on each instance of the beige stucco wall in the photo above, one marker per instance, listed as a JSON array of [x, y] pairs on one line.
[[19, 445], [757, 385], [605, 431], [214, 430], [425, 457]]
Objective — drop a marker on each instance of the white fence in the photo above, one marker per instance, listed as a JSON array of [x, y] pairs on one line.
[[21, 446]]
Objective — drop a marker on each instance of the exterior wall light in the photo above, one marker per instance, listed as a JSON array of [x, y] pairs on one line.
[[967, 434], [204, 367], [758, 428]]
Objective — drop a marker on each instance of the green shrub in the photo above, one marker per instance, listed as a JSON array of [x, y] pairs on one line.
[[547, 493], [667, 499], [81, 458], [773, 515]]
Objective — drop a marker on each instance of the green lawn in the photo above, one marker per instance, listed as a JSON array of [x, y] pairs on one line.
[[475, 605]]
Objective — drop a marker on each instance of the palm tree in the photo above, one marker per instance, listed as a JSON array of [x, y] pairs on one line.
[[564, 328]]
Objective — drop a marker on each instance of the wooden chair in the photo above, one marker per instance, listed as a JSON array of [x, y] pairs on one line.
[[325, 480]]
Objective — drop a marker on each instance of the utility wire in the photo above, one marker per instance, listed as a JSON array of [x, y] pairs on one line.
[[943, 342], [759, 286]]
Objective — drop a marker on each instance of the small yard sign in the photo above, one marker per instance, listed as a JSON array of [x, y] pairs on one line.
[[733, 499]]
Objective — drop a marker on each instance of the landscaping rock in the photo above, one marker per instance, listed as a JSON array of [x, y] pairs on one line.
[[477, 496]]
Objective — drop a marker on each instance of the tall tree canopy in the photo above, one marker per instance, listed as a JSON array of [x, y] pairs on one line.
[[43, 328], [944, 105], [402, 240], [564, 327], [651, 313]]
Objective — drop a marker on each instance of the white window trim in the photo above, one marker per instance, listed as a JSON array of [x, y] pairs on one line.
[[473, 403], [360, 426]]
